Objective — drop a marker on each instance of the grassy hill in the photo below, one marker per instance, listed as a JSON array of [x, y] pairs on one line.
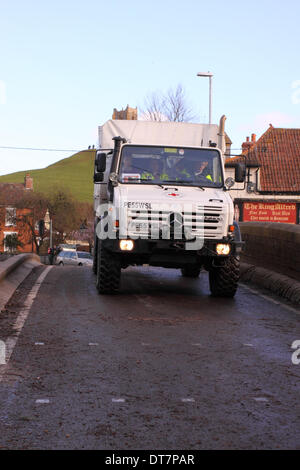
[[74, 173]]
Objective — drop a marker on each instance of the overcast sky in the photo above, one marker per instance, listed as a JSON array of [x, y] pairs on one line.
[[66, 64]]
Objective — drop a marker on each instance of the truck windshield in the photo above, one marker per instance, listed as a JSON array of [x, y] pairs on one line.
[[160, 165]]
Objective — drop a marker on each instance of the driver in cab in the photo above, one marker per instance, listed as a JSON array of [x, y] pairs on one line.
[[194, 171], [201, 170]]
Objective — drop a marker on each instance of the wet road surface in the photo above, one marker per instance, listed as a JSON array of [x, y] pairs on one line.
[[161, 365]]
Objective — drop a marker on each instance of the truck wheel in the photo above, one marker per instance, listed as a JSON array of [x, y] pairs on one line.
[[108, 271], [223, 280], [190, 271]]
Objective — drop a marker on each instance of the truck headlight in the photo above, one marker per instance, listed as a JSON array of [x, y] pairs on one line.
[[223, 249], [126, 245]]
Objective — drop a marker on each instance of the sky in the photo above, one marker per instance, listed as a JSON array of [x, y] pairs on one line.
[[64, 66]]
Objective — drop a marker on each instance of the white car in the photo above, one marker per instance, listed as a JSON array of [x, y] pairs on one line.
[[79, 258]]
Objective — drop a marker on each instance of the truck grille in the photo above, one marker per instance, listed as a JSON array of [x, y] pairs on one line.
[[209, 219]]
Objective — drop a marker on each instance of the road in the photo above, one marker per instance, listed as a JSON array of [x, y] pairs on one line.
[[161, 365]]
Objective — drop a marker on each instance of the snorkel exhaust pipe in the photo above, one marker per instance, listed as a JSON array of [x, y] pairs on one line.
[[221, 135]]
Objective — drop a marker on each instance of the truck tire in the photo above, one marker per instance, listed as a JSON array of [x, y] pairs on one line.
[[95, 256], [190, 271], [108, 271], [223, 280]]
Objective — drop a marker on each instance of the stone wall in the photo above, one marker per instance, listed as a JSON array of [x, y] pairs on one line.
[[273, 246]]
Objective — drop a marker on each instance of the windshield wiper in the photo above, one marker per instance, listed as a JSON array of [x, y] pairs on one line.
[[175, 181], [183, 181], [142, 180]]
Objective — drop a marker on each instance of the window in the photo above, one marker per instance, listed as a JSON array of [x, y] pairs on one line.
[[10, 216], [84, 255], [70, 254], [6, 247]]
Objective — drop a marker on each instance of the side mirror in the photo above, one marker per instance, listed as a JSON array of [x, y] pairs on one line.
[[113, 178], [101, 162], [240, 172], [229, 182]]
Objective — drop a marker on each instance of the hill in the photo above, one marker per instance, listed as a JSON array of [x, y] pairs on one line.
[[74, 173]]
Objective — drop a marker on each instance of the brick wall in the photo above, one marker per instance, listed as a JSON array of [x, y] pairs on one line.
[[22, 230]]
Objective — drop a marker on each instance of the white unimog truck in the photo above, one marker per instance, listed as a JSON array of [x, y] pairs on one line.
[[161, 199]]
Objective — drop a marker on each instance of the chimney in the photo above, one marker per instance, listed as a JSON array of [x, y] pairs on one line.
[[246, 146], [28, 182]]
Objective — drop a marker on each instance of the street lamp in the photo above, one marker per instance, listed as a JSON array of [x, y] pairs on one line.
[[210, 75], [48, 225]]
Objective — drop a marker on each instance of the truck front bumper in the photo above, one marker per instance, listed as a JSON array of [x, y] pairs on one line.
[[147, 247]]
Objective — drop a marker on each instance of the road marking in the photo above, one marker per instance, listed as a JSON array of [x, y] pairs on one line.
[[146, 344], [118, 400], [42, 400], [2, 353], [12, 340], [93, 344], [196, 344], [266, 297], [262, 399], [188, 400], [39, 344]]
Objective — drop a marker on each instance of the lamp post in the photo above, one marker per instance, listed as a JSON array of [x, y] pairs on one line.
[[210, 75], [48, 225]]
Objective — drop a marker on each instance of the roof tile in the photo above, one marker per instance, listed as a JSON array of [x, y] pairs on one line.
[[278, 154]]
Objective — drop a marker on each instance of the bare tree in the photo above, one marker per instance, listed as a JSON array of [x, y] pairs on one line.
[[85, 233], [34, 206], [66, 213], [172, 106], [63, 210], [154, 107]]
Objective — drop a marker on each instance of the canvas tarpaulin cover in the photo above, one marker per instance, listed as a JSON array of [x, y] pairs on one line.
[[158, 133]]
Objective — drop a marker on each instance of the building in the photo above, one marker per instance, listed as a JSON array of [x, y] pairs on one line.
[[128, 114], [11, 195], [271, 192]]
